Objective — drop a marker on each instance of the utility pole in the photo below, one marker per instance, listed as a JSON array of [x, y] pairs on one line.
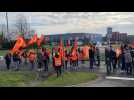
[[7, 23]]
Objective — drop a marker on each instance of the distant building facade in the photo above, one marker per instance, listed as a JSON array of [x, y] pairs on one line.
[[109, 30], [131, 38], [109, 33], [91, 37], [115, 36]]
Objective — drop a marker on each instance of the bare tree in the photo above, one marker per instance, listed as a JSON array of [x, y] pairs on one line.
[[22, 25], [3, 30]]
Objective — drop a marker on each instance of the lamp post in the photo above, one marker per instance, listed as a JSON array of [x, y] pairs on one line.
[[7, 22], [7, 25]]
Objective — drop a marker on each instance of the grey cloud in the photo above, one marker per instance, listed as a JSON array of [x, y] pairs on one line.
[[82, 19]]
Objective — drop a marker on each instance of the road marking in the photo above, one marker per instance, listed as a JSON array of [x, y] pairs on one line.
[[119, 78]]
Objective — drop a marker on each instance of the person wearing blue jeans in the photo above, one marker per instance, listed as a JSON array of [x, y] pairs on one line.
[[108, 66], [17, 63], [16, 60]]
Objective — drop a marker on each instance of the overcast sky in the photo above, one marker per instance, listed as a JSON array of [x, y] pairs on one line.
[[63, 22]]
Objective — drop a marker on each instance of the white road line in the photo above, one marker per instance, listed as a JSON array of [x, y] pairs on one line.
[[119, 78]]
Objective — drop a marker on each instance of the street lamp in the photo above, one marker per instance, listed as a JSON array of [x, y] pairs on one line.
[[7, 24], [109, 37]]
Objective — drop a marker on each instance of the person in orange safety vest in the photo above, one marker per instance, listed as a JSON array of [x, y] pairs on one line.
[[32, 57], [57, 63], [74, 57]]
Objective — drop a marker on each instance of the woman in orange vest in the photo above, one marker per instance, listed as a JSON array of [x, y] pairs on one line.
[[32, 57], [74, 57], [57, 63]]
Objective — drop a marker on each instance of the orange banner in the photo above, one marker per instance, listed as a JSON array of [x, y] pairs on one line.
[[40, 40], [19, 43], [33, 39], [85, 53]]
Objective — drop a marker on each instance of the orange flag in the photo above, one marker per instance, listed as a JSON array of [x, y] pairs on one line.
[[75, 44], [33, 39], [40, 40], [19, 43], [61, 48], [85, 52]]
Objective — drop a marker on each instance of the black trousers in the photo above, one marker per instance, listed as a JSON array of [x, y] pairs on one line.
[[58, 71], [129, 68], [74, 63], [91, 63], [108, 66], [65, 66], [45, 65], [70, 62], [39, 64], [8, 64], [77, 62]]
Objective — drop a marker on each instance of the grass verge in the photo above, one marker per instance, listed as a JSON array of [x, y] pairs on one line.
[[68, 79]]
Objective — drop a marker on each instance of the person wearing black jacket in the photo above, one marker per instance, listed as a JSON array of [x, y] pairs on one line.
[[8, 60], [45, 59], [91, 57], [132, 54], [107, 59], [113, 58], [40, 59]]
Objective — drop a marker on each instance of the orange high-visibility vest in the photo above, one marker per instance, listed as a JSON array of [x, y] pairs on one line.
[[32, 57], [85, 53], [118, 52], [57, 61], [74, 55], [74, 58]]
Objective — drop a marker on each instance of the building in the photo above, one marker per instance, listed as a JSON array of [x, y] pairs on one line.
[[109, 30], [130, 38], [123, 37], [90, 37], [109, 33], [118, 37], [115, 36]]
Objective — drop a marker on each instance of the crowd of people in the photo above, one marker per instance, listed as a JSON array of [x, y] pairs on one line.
[[41, 58], [115, 59], [121, 59]]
